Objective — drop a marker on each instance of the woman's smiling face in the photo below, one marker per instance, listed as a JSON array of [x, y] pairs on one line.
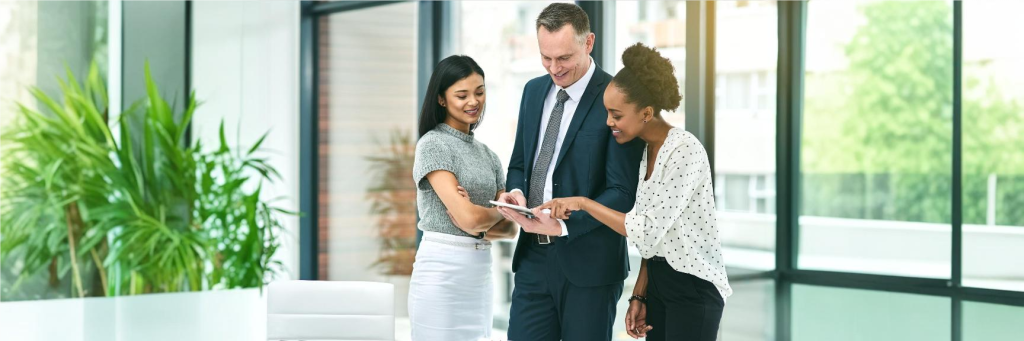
[[465, 100], [624, 119]]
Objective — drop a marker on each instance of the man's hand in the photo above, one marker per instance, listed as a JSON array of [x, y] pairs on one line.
[[636, 320], [514, 198], [542, 223]]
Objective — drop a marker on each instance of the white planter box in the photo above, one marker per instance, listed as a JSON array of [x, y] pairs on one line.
[[227, 315]]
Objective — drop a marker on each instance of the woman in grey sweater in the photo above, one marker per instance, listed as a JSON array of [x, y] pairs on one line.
[[456, 177]]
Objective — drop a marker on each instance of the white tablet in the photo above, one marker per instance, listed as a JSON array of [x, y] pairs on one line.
[[525, 211]]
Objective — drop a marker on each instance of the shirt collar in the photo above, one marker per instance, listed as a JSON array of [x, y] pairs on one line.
[[447, 129], [576, 90]]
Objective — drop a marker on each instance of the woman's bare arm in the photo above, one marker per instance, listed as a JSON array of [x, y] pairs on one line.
[[561, 208], [467, 216]]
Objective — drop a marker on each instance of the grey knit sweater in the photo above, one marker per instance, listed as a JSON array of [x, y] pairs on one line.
[[475, 166]]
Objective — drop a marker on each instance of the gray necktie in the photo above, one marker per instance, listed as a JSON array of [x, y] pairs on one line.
[[547, 151]]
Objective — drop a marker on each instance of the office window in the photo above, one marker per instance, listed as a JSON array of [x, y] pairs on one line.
[[745, 132], [745, 193], [993, 147], [659, 24], [992, 322], [750, 312], [747, 93], [367, 113], [40, 38], [823, 313], [737, 91], [732, 192], [877, 136], [18, 71]]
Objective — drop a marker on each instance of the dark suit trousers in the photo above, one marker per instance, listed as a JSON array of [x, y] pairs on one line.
[[681, 306], [546, 306]]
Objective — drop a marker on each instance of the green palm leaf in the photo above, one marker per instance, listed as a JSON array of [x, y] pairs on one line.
[[145, 212]]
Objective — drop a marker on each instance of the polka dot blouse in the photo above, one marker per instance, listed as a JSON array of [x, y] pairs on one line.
[[674, 214]]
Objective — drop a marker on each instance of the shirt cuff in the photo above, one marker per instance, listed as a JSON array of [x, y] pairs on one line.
[[635, 231], [565, 230], [516, 190]]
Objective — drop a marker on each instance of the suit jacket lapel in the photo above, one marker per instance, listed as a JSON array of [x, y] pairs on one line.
[[534, 112], [597, 82]]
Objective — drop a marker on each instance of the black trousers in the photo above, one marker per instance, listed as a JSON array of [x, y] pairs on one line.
[[681, 306], [547, 307]]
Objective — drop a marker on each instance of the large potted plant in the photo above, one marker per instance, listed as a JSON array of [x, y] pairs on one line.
[[139, 211]]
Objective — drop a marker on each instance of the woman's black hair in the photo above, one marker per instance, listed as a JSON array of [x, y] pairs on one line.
[[449, 71], [647, 79]]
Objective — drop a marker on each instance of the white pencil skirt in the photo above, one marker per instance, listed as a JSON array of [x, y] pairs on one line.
[[450, 290]]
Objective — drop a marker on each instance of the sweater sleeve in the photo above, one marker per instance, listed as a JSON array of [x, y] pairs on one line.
[[432, 155]]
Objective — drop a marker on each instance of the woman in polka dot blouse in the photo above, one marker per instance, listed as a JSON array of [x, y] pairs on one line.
[[681, 290]]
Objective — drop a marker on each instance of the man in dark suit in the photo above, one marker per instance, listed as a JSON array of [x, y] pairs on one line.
[[568, 274]]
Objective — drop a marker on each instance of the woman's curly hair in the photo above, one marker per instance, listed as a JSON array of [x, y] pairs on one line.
[[647, 79]]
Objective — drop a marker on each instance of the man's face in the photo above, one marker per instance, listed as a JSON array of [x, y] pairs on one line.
[[563, 56]]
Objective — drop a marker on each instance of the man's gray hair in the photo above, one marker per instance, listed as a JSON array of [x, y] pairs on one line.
[[557, 15]]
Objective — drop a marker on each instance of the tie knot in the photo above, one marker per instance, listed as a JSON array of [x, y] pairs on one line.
[[562, 96]]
